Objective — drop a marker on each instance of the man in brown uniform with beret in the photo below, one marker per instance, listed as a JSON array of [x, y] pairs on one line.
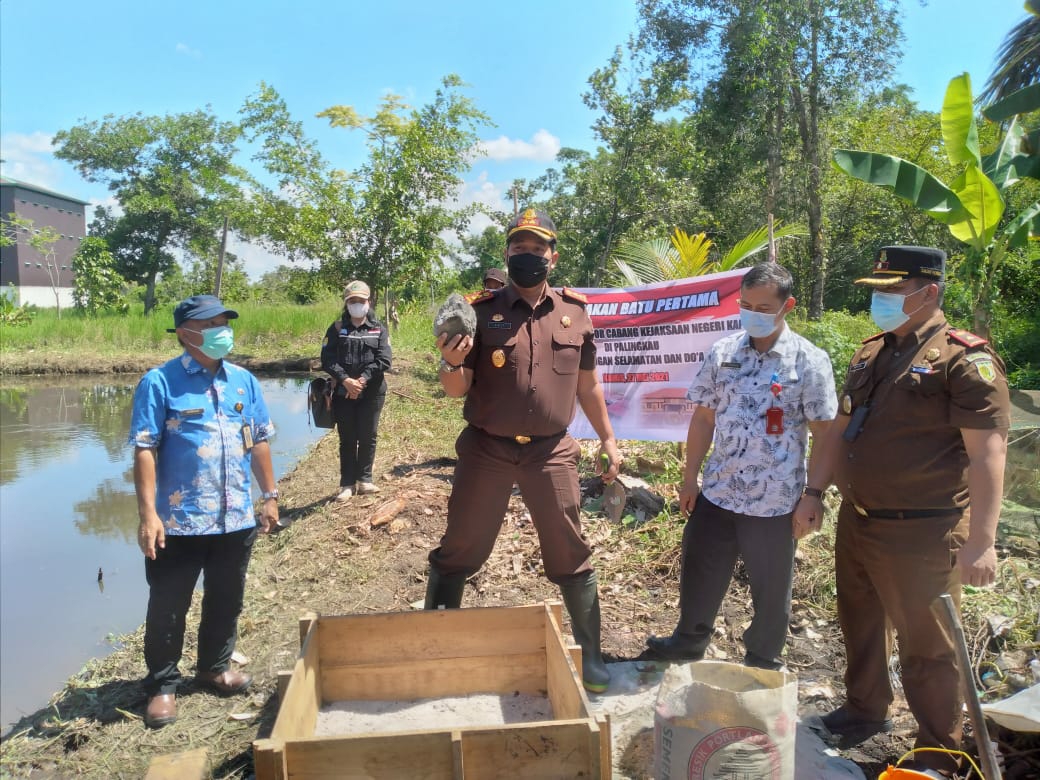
[[531, 358], [921, 436]]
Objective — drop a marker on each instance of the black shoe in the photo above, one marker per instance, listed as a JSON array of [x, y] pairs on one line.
[[851, 730], [674, 648]]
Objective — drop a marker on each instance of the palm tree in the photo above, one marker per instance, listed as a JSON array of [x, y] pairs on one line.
[[683, 256], [1018, 61]]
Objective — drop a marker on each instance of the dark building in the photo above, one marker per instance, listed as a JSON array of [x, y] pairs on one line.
[[25, 274]]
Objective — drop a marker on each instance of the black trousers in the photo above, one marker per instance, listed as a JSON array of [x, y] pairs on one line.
[[712, 540], [222, 559], [357, 421]]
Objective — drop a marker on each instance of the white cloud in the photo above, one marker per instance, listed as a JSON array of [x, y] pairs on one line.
[[543, 147], [29, 158], [188, 51]]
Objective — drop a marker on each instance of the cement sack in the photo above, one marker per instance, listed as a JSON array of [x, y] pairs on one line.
[[714, 719]]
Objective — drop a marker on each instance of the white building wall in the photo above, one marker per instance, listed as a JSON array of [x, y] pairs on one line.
[[43, 297]]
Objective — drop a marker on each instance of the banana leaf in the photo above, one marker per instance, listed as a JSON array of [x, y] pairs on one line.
[[1024, 101], [960, 135], [907, 180], [981, 198]]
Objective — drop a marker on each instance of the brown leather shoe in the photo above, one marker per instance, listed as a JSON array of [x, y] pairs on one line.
[[161, 711], [226, 683]]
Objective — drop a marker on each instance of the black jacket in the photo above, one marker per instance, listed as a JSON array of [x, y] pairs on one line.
[[357, 352]]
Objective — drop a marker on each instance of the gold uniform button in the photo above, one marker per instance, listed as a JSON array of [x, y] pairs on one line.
[[565, 321], [931, 355], [846, 404], [498, 358], [497, 318]]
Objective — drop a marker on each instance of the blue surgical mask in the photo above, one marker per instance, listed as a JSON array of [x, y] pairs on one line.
[[216, 342], [759, 324], [886, 309]]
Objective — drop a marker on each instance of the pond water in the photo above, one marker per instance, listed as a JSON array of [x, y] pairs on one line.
[[68, 512]]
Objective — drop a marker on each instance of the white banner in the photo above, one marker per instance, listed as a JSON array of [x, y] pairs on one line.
[[651, 342]]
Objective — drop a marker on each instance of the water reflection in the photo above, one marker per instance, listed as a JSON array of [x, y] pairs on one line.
[[69, 563]]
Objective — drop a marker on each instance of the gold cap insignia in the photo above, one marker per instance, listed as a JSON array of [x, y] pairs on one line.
[[846, 404], [931, 355], [497, 317], [565, 321], [498, 358]]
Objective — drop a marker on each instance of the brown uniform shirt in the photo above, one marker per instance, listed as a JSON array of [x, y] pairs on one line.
[[525, 362], [921, 392]]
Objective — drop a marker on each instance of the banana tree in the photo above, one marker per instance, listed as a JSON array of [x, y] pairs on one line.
[[685, 255], [973, 205]]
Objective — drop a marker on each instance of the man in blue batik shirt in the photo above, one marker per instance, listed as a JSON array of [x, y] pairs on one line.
[[199, 426], [759, 394]]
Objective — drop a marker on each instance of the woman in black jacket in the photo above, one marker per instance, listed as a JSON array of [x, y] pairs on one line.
[[356, 353]]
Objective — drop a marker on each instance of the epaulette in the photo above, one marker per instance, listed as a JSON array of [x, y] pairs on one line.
[[567, 292], [479, 297], [966, 338], [875, 337]]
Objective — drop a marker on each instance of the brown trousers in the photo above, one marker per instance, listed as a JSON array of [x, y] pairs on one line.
[[889, 574], [547, 473]]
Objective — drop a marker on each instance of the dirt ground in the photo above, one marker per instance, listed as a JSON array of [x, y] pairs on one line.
[[369, 555]]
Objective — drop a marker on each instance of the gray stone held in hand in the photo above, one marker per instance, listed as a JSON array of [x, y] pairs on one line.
[[455, 317]]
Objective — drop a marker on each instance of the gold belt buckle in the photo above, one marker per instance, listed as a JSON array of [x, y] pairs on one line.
[[860, 509], [522, 439]]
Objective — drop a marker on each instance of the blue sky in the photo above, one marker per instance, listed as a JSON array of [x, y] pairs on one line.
[[527, 64]]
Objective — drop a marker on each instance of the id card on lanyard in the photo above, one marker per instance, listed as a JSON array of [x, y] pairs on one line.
[[775, 413]]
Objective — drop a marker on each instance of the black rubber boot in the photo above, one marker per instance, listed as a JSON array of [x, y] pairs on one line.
[[581, 597], [444, 592]]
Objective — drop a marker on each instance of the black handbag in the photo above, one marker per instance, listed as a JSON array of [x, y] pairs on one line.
[[319, 402]]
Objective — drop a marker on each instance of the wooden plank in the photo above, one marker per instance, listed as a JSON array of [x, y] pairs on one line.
[[436, 678], [305, 623], [298, 712], [418, 755], [269, 760], [189, 765], [563, 678], [537, 750], [606, 755], [284, 676], [458, 763], [430, 634]]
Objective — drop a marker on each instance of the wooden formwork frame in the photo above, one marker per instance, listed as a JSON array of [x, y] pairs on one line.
[[431, 654]]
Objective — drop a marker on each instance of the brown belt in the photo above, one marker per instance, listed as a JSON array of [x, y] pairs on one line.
[[905, 514], [522, 439]]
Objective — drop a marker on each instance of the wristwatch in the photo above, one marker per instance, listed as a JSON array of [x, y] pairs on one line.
[[448, 368], [269, 494], [814, 492]]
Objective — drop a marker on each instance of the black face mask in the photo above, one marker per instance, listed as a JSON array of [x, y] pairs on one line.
[[527, 270]]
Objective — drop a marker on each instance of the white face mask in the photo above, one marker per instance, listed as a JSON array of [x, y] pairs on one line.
[[357, 310]]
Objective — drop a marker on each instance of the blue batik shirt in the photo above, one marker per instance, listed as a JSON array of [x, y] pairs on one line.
[[750, 471], [195, 421]]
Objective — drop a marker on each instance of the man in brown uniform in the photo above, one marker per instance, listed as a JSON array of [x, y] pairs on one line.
[[531, 358], [921, 434]]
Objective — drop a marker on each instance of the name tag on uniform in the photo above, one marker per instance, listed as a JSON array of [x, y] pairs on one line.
[[731, 364], [192, 413], [858, 366], [500, 325]]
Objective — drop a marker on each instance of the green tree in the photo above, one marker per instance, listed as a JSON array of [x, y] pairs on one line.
[[1018, 61], [97, 286], [405, 189], [772, 66], [973, 206], [309, 211], [174, 178]]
